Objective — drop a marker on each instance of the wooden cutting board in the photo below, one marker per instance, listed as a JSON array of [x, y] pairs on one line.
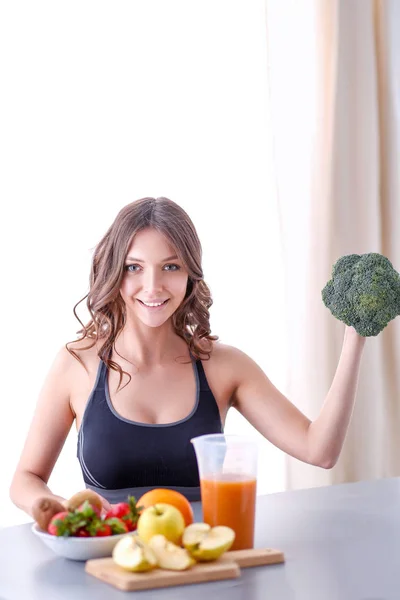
[[226, 567]]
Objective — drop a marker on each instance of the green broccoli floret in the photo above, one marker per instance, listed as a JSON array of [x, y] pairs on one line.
[[364, 292]]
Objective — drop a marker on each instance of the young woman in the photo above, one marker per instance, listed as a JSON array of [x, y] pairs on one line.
[[146, 375]]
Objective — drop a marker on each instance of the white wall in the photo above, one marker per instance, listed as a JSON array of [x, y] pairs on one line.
[[105, 103]]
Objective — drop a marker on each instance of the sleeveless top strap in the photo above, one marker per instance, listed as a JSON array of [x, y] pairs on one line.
[[204, 387], [101, 384]]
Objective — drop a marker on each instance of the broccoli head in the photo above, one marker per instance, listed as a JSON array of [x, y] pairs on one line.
[[364, 292]]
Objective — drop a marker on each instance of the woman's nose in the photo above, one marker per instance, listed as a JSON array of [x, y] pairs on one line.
[[152, 281]]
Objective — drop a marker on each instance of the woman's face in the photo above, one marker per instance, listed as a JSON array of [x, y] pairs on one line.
[[153, 275]]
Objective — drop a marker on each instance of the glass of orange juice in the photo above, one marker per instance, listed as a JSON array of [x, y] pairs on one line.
[[228, 482]]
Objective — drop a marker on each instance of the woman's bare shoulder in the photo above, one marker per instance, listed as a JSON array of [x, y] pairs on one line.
[[71, 368], [224, 352], [224, 360], [231, 361], [83, 353]]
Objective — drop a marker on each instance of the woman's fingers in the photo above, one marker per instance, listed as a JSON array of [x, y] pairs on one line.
[[92, 497], [106, 505]]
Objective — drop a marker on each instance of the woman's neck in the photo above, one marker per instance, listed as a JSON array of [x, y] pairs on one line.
[[148, 347]]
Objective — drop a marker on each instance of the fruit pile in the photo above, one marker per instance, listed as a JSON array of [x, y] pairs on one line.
[[164, 533], [81, 516], [168, 538]]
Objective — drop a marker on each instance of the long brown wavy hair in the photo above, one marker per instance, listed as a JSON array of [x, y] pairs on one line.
[[191, 321]]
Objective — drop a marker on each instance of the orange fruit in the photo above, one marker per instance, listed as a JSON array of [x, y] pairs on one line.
[[161, 495]]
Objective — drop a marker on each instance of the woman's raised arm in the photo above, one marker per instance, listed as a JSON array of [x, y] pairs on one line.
[[317, 442]]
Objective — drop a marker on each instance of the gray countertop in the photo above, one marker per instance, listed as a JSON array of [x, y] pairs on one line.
[[341, 543]]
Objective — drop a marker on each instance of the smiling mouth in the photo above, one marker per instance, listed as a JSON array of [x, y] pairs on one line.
[[153, 305]]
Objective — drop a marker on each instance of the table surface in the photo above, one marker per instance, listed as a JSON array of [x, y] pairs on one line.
[[341, 542]]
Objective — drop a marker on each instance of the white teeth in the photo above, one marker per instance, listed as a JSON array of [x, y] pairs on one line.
[[153, 303]]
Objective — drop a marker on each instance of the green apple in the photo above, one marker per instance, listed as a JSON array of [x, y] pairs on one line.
[[133, 554], [170, 556], [163, 519], [207, 543]]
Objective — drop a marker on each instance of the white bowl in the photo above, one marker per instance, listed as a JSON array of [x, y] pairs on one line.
[[77, 548]]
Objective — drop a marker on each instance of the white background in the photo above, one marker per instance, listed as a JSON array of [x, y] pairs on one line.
[[104, 103]]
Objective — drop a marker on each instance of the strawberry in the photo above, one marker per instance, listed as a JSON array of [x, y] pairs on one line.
[[75, 523], [128, 512], [102, 529], [85, 521], [117, 525], [88, 509], [66, 523], [82, 533], [59, 524]]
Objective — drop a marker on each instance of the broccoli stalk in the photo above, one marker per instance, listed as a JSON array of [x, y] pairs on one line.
[[364, 292]]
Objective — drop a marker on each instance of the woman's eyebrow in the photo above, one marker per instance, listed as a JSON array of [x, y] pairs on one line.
[[174, 257]]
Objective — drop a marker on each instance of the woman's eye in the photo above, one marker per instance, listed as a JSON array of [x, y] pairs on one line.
[[131, 268], [172, 267]]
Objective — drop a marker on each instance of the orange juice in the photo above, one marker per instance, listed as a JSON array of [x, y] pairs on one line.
[[230, 500]]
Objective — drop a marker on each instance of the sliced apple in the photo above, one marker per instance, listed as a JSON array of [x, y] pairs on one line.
[[193, 534], [170, 556], [207, 543], [133, 554]]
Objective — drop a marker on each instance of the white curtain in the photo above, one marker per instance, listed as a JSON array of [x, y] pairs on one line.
[[334, 85]]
